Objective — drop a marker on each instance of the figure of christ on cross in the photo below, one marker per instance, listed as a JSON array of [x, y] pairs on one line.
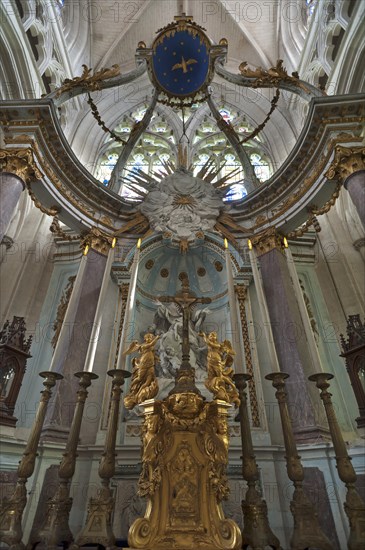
[[185, 375]]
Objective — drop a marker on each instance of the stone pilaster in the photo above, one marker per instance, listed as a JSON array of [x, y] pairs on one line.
[[76, 342], [289, 336], [348, 166], [241, 291]]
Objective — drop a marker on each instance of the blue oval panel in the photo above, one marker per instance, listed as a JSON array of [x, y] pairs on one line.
[[181, 64]]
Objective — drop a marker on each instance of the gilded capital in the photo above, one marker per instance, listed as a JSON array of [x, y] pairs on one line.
[[267, 240], [21, 163], [347, 161], [97, 240]]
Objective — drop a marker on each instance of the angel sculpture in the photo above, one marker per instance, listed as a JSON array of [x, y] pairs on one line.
[[219, 366], [144, 384]]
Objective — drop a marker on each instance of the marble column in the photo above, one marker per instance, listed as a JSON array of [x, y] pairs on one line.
[[355, 185], [11, 187], [16, 167], [79, 331], [289, 337], [348, 167]]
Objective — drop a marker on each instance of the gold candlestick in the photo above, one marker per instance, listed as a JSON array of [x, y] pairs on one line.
[[256, 531], [56, 528], [98, 527], [354, 505], [307, 532], [12, 509]]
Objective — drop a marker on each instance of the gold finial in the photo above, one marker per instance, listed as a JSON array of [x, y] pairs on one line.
[[225, 243], [114, 242], [223, 42], [285, 241], [86, 250], [139, 242], [249, 244]]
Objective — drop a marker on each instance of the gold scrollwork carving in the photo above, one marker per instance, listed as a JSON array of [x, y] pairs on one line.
[[20, 162], [267, 240], [185, 455], [347, 161], [98, 240], [90, 82], [307, 182], [56, 229], [312, 220], [273, 76]]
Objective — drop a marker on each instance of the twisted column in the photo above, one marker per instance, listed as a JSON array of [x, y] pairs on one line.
[[256, 531], [354, 505], [98, 528], [307, 532], [56, 528], [12, 509]]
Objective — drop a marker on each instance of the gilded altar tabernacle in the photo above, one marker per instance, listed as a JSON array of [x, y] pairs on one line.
[[184, 448], [185, 454]]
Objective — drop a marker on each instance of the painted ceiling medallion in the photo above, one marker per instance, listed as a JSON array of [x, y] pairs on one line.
[[180, 65]]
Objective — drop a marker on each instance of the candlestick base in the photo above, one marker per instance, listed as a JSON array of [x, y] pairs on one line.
[[98, 528], [55, 529], [12, 509], [354, 505], [307, 532], [256, 532]]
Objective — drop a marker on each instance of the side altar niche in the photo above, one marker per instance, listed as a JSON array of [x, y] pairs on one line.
[[185, 447]]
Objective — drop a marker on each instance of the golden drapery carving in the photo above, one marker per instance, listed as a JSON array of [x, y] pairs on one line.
[[144, 383], [185, 453], [220, 371]]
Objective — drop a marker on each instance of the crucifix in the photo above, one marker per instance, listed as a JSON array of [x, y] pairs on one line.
[[185, 299]]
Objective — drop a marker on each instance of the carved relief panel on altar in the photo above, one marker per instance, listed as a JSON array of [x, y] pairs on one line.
[[185, 473]]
